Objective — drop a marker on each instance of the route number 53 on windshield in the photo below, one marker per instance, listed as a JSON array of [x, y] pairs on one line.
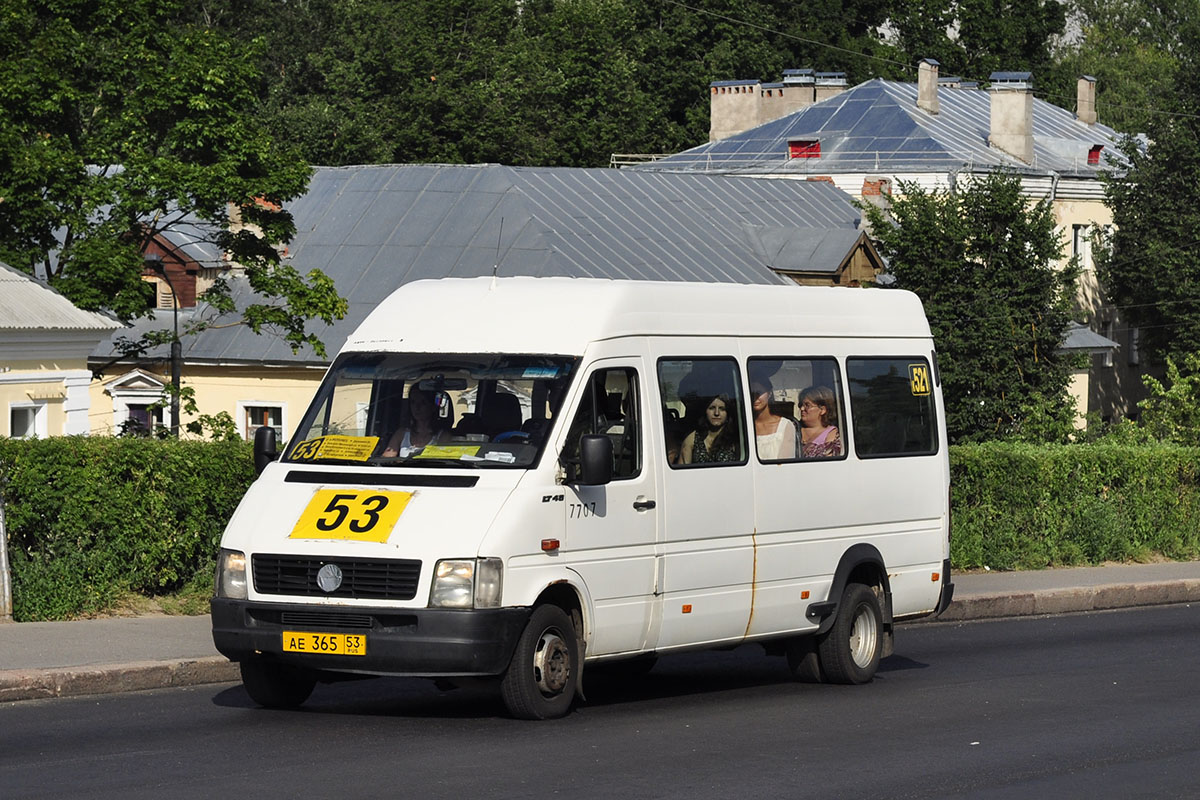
[[361, 515]]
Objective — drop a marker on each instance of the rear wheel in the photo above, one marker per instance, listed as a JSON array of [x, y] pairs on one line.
[[276, 685], [851, 649], [540, 680]]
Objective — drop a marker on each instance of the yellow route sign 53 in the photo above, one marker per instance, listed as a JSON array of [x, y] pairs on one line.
[[362, 515]]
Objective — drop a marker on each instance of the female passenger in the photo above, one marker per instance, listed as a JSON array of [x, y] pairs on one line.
[[818, 423], [774, 435], [716, 435]]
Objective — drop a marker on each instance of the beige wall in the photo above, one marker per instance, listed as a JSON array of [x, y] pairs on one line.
[[230, 389], [54, 388]]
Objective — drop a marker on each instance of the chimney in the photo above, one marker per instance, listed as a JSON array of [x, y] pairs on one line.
[[799, 89], [1011, 96], [927, 86], [1085, 103], [828, 84], [733, 108]]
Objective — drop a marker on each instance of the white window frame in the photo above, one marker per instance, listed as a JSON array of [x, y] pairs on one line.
[[244, 428], [41, 419]]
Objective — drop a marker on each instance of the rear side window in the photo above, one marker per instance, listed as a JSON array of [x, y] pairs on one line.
[[892, 403]]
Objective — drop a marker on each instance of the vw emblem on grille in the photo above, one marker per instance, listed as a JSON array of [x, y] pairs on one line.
[[329, 577]]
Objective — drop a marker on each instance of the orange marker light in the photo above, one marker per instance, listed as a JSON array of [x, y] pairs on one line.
[[687, 608], [935, 577], [804, 595], [549, 545]]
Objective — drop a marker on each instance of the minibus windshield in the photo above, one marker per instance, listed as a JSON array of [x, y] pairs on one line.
[[433, 410]]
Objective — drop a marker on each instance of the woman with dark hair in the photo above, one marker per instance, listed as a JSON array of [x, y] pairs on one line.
[[774, 435], [716, 435], [423, 425], [818, 423]]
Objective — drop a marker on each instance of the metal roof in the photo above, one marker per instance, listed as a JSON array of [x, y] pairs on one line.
[[374, 228], [877, 127], [28, 304]]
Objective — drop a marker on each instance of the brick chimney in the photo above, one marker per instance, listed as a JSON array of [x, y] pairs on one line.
[[1085, 103], [828, 84], [733, 108], [1011, 96], [927, 86]]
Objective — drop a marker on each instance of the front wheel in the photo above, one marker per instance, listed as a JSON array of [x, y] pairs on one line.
[[851, 649], [540, 680], [276, 685]]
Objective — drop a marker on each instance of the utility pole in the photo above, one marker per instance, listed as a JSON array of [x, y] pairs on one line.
[[155, 262]]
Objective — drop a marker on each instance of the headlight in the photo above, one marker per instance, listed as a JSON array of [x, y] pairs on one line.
[[231, 574], [462, 583]]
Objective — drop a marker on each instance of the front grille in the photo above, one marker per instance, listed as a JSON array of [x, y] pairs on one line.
[[373, 578]]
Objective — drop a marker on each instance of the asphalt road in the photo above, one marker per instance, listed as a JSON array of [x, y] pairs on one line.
[[1085, 705]]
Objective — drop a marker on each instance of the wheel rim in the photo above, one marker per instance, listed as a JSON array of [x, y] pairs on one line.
[[551, 663], [864, 635]]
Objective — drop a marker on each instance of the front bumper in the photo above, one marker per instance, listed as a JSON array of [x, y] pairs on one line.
[[425, 642]]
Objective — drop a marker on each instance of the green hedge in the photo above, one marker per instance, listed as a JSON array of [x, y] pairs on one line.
[[90, 519], [1020, 506]]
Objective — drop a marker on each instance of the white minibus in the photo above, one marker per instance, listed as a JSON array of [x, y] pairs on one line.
[[514, 478]]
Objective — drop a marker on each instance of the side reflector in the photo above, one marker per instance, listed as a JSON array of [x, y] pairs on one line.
[[549, 545], [936, 577], [804, 595], [687, 608]]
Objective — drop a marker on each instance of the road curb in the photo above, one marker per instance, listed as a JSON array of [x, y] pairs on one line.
[[1062, 601], [32, 684]]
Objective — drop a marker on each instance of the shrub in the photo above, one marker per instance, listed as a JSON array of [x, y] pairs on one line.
[[1023, 506], [90, 518]]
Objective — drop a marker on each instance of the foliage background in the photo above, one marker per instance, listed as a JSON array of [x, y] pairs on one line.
[[92, 519]]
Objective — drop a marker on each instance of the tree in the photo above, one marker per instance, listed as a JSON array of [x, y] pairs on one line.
[[1150, 267], [985, 263], [120, 120], [1132, 48]]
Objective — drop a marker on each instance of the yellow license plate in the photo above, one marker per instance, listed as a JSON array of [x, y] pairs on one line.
[[325, 644]]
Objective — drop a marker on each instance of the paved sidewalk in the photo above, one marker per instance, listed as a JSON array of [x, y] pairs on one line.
[[59, 659]]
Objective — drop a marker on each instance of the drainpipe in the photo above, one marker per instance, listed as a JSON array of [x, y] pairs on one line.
[[1054, 176]]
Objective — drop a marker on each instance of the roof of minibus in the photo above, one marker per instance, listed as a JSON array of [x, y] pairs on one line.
[[562, 315]]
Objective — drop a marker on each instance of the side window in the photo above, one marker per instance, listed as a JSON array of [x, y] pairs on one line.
[[796, 405], [702, 411], [610, 406], [892, 402]]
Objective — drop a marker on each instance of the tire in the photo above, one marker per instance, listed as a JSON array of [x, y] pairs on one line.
[[274, 685], [850, 651], [540, 681]]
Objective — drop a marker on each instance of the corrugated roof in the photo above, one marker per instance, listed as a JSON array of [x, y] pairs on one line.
[[27, 304], [876, 126], [373, 228]]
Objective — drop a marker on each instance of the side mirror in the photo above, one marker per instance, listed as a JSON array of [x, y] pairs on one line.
[[264, 448], [596, 459]]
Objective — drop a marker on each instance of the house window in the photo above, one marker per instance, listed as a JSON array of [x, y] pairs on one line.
[[255, 417], [804, 148], [27, 421], [142, 419], [1094, 154]]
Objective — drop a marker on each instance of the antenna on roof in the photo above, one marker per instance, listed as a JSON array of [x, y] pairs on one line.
[[496, 267]]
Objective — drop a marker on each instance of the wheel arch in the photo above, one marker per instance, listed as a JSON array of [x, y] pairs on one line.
[[861, 563]]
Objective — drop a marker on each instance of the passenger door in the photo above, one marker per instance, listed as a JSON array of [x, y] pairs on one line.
[[707, 508], [610, 531]]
